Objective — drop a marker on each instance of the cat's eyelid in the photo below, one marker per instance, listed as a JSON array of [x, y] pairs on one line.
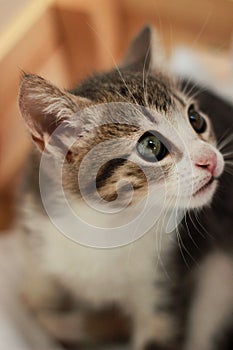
[[193, 106]]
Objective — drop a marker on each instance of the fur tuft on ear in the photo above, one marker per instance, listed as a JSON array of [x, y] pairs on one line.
[[145, 49], [44, 106]]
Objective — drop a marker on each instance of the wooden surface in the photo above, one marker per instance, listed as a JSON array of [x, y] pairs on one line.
[[28, 55], [36, 46], [204, 21]]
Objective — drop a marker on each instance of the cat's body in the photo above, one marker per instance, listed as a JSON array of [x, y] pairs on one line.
[[129, 277], [132, 276]]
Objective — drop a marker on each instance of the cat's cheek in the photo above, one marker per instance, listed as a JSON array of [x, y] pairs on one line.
[[204, 197], [220, 164]]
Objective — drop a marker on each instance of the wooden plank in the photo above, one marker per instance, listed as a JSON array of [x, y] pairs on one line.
[[21, 24], [92, 32], [79, 44], [203, 21], [14, 139], [28, 54]]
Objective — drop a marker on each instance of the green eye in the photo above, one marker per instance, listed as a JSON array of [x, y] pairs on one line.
[[151, 148], [197, 121]]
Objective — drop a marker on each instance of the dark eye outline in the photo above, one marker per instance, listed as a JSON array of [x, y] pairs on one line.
[[195, 117], [163, 151]]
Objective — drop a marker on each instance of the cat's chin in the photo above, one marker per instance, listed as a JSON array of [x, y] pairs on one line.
[[198, 199], [203, 196]]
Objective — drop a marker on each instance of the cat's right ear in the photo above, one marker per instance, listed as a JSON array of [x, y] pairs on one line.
[[145, 49], [44, 107]]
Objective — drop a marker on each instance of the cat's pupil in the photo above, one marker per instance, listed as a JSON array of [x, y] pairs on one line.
[[151, 148], [197, 121], [151, 144]]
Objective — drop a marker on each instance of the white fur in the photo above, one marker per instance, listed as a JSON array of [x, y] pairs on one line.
[[210, 308], [89, 271]]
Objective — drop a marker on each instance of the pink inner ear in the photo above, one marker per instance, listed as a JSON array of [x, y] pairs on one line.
[[35, 130], [69, 156], [40, 143], [44, 107]]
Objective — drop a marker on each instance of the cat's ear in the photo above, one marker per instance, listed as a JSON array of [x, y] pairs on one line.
[[145, 49], [44, 107]]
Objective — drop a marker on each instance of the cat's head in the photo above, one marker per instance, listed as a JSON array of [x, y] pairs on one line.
[[128, 129]]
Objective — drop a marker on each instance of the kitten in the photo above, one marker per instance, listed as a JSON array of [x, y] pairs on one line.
[[130, 151]]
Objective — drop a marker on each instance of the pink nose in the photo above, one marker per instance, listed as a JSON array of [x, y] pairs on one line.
[[208, 162]]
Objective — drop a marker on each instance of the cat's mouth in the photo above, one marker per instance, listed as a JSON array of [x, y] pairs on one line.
[[205, 187]]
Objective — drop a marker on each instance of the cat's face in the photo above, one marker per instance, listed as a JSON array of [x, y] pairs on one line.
[[133, 132]]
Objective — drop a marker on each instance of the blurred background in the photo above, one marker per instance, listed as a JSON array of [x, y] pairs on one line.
[[65, 40]]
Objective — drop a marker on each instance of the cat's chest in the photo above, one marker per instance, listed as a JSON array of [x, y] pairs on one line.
[[101, 274], [125, 260]]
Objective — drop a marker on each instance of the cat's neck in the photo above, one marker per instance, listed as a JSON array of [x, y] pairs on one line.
[[97, 228]]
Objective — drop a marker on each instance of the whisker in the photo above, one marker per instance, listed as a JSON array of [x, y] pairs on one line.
[[159, 238], [187, 251], [143, 77], [224, 135], [180, 245], [196, 86], [200, 90], [226, 142], [189, 233], [114, 62], [195, 212], [226, 155], [229, 171], [198, 36], [195, 226]]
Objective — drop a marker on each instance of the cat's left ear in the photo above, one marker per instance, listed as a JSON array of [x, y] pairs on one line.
[[145, 49], [44, 107]]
